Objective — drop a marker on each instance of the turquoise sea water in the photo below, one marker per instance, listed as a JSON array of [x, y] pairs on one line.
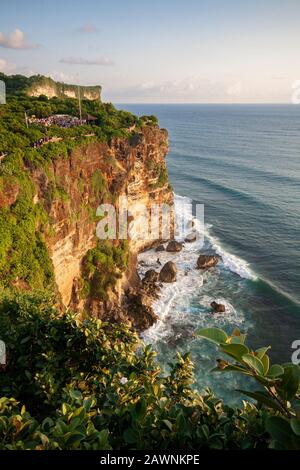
[[243, 163]]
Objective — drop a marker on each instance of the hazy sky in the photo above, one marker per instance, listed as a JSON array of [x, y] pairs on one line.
[[158, 50]]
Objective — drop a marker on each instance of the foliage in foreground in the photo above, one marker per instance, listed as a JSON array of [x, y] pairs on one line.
[[279, 389], [92, 385]]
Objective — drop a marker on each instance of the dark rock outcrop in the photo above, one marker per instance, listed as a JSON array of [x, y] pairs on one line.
[[207, 261], [218, 308], [151, 276], [168, 272], [139, 304], [173, 246]]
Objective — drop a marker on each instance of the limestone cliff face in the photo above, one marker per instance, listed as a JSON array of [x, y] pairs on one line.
[[40, 85], [134, 167]]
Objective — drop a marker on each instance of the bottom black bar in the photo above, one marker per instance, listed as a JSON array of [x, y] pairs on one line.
[[135, 459]]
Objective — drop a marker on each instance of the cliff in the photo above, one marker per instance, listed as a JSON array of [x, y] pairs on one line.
[[124, 167], [69, 189], [37, 85]]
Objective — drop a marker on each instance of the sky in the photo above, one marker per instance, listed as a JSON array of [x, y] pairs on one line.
[[158, 51]]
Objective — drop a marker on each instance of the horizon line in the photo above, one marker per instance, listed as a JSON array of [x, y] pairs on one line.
[[207, 103]]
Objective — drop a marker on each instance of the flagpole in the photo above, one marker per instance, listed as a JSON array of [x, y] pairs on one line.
[[79, 103]]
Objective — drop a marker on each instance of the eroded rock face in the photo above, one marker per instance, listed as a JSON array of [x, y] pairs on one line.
[[217, 308], [168, 272], [124, 167], [173, 246], [207, 261]]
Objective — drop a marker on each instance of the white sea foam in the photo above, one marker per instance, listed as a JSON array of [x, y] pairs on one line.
[[229, 316], [232, 262], [174, 306]]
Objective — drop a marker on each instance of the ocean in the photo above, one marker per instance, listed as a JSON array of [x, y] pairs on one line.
[[243, 163]]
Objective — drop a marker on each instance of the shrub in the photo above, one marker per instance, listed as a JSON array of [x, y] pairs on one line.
[[93, 385], [279, 391], [102, 267]]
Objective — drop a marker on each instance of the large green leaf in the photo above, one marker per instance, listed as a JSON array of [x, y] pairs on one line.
[[216, 335], [235, 350], [275, 370], [262, 351], [280, 430], [289, 381], [238, 339], [254, 363], [266, 363]]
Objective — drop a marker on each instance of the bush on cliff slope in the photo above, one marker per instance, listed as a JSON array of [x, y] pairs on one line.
[[92, 385], [23, 224], [102, 266]]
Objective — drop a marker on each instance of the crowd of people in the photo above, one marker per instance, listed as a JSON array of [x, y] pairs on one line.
[[40, 142], [60, 120]]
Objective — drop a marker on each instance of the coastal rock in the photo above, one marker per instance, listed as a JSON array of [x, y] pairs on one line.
[[218, 308], [151, 276], [173, 246], [160, 248], [139, 302], [207, 261], [168, 272], [143, 318], [191, 237]]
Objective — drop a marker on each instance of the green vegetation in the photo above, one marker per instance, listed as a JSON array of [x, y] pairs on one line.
[[99, 184], [279, 389], [86, 384], [24, 224], [110, 123], [149, 120], [102, 267], [23, 254], [162, 179], [93, 385]]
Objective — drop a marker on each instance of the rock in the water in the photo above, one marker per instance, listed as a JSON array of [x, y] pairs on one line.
[[191, 237], [218, 308], [160, 248], [168, 272], [174, 246], [191, 223], [207, 261], [151, 276]]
